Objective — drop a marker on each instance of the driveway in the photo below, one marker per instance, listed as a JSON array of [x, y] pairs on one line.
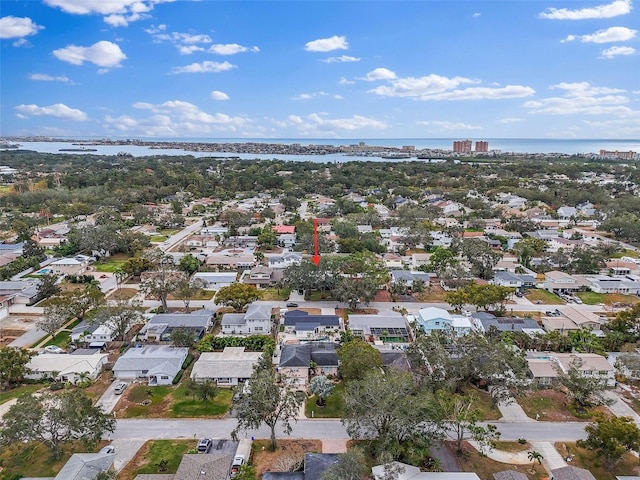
[[109, 399]]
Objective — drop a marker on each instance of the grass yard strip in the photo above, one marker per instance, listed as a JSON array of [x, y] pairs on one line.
[[186, 406], [161, 451], [333, 409], [583, 458], [6, 395]]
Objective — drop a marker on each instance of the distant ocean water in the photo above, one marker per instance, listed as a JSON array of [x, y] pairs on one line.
[[518, 145]]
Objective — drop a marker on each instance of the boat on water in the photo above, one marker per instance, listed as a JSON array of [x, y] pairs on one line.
[[396, 156], [78, 149]]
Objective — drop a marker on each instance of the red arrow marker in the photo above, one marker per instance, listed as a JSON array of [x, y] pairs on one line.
[[316, 255]]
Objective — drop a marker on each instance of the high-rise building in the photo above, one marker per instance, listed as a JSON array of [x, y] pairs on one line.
[[462, 146], [482, 146]]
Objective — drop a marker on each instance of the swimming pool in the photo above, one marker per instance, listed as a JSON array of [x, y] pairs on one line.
[[44, 271]]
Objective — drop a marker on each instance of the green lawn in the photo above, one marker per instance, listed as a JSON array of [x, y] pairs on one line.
[[62, 339], [537, 294], [593, 298], [175, 402], [320, 296], [333, 409], [583, 458], [158, 238], [112, 263], [31, 460], [6, 395], [484, 403], [186, 406], [276, 294], [171, 451]]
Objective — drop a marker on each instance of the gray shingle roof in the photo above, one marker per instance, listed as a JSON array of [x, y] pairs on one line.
[[85, 466], [572, 473], [295, 356]]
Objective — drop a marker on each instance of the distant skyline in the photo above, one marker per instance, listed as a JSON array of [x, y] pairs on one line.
[[320, 69]]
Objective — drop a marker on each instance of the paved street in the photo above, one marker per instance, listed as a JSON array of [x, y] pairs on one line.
[[195, 428]]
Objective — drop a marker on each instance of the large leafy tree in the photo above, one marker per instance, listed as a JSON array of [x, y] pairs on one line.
[[389, 408], [238, 296], [119, 317], [267, 402], [77, 302], [351, 465], [163, 278], [611, 438], [47, 287], [585, 390], [357, 358], [187, 288], [13, 364], [446, 361], [189, 264], [480, 256], [461, 420], [55, 420], [54, 317]]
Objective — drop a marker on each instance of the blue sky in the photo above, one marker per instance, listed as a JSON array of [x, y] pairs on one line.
[[320, 69]]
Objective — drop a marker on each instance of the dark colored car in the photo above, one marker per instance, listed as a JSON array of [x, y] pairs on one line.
[[292, 304]]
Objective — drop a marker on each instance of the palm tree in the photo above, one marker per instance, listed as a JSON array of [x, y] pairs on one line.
[[534, 457]]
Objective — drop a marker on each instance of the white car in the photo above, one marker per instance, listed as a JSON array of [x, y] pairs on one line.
[[54, 349]]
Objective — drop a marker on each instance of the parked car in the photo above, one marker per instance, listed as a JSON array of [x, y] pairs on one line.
[[120, 387], [292, 304], [204, 445], [54, 349], [238, 461], [108, 449]]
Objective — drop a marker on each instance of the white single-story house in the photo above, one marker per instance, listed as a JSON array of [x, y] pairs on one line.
[[216, 280], [66, 367], [156, 364], [227, 368], [544, 366]]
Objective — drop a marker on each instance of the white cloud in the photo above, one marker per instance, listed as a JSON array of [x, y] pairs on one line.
[[510, 120], [584, 89], [309, 96], [484, 93], [189, 49], [186, 43], [17, 27], [449, 126], [327, 44], [341, 59], [436, 87], [231, 49], [356, 122], [615, 51], [618, 7], [218, 95], [612, 34], [174, 118], [419, 87], [117, 13], [476, 15], [43, 77], [103, 54], [188, 112], [204, 67], [380, 74], [582, 98], [58, 110], [344, 81]]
